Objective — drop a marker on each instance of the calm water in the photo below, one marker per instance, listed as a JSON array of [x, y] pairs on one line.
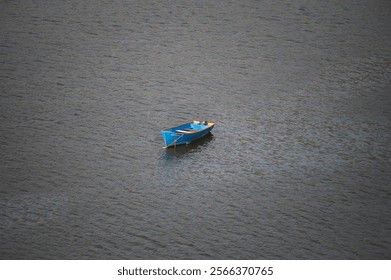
[[298, 166]]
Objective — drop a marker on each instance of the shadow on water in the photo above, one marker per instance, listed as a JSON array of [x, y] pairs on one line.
[[183, 150]]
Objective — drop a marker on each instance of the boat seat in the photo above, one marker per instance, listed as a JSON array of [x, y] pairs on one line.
[[186, 131]]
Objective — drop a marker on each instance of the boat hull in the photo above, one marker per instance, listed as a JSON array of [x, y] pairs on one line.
[[186, 133]]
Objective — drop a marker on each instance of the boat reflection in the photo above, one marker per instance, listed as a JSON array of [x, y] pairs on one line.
[[182, 150]]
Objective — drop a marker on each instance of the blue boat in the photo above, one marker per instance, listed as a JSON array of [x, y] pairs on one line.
[[186, 133]]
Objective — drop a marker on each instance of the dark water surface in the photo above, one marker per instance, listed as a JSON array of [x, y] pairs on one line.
[[298, 166]]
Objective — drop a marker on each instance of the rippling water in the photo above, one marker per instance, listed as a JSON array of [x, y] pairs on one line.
[[298, 166]]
